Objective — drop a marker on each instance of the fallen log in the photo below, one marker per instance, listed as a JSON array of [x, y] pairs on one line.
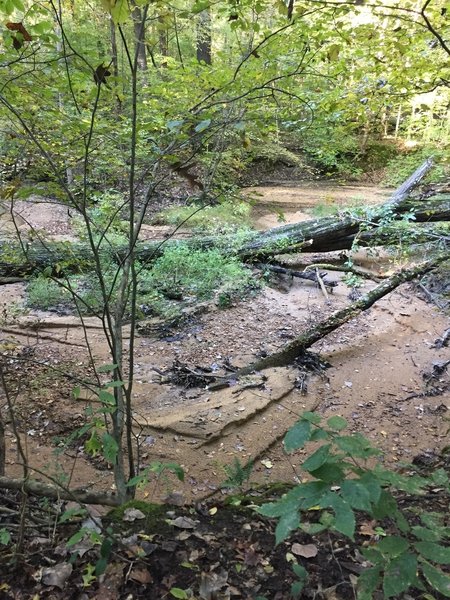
[[296, 347], [39, 488], [318, 235]]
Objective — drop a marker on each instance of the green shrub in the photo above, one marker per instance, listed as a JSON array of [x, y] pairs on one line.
[[196, 273], [44, 293], [343, 482], [229, 214], [401, 167]]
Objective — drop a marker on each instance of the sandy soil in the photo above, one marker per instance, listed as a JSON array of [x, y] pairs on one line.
[[380, 365]]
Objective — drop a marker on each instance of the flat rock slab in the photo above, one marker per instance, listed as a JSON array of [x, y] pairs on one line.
[[215, 411]]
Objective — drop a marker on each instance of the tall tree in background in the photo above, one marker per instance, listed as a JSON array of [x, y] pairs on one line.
[[204, 36]]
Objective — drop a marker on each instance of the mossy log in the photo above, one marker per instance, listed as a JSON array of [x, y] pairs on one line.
[[317, 235], [47, 490], [296, 347]]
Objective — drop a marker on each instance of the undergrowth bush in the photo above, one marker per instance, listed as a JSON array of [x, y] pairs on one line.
[[228, 214], [196, 273], [401, 167], [44, 293], [343, 481]]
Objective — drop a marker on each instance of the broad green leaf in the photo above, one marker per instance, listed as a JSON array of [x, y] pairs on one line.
[[286, 525], [329, 472], [356, 445], [425, 534], [120, 12], [18, 4], [296, 589], [107, 397], [300, 571], [434, 552], [76, 537], [179, 593], [356, 494], [372, 485], [175, 125], [317, 459], [368, 582], [399, 575], [202, 125], [297, 436], [106, 368], [337, 423], [344, 515], [110, 448], [392, 546], [386, 505], [436, 578], [5, 537], [312, 417]]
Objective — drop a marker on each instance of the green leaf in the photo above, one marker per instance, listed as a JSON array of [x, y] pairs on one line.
[[76, 392], [344, 515], [317, 459], [178, 593], [202, 125], [368, 582], [114, 384], [175, 125], [77, 537], [5, 537], [300, 571], [286, 525], [297, 436], [296, 589], [356, 494], [436, 578], [434, 552], [399, 575], [329, 472], [106, 368], [425, 534], [120, 12], [18, 4], [312, 417], [392, 546], [107, 398], [356, 445], [386, 505], [93, 445], [110, 448], [337, 423]]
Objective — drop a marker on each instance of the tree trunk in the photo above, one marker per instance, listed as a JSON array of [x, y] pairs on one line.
[[318, 235], [295, 348], [139, 35], [204, 37]]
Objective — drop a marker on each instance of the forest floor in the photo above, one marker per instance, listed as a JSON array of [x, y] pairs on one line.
[[380, 379]]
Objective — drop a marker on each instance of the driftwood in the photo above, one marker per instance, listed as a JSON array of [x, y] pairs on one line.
[[295, 348], [38, 488], [308, 275], [318, 235]]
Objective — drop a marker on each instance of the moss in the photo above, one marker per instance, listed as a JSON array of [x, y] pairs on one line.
[[155, 514]]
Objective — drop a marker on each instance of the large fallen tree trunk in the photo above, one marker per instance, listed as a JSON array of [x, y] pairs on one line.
[[39, 488], [317, 235], [291, 351]]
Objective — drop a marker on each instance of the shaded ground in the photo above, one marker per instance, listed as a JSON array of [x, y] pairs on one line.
[[376, 379], [381, 379]]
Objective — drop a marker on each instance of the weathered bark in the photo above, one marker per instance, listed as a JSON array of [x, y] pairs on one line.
[[38, 488], [204, 37], [318, 235], [292, 350]]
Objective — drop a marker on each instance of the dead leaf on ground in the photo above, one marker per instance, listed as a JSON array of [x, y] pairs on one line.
[[184, 523], [367, 528], [304, 550], [141, 576], [57, 575], [133, 514], [211, 585]]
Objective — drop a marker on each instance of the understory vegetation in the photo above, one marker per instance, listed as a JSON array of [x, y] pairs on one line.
[[138, 122]]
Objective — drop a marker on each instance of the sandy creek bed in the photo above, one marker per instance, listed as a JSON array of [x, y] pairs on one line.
[[375, 380]]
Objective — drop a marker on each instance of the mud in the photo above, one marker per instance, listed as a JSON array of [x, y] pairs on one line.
[[376, 379]]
